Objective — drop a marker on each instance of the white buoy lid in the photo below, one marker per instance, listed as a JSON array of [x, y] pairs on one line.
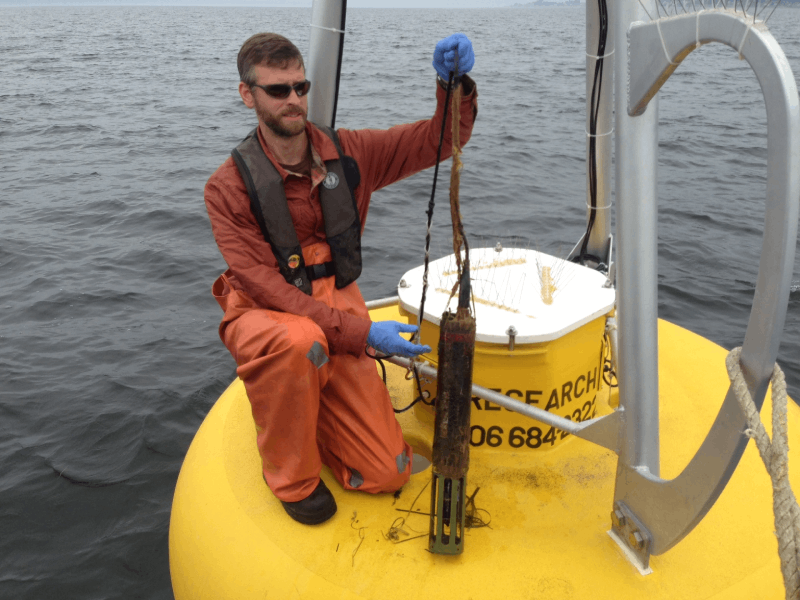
[[507, 292]]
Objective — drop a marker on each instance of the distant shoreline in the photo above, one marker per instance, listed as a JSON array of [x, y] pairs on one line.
[[305, 4], [793, 4], [543, 3]]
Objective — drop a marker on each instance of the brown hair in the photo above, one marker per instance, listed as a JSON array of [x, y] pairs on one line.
[[268, 49]]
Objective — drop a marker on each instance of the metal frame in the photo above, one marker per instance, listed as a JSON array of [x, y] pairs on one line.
[[669, 510]]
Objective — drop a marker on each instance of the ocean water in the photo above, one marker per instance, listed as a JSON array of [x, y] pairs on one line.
[[112, 119]]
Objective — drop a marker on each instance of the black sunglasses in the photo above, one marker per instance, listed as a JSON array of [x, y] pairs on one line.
[[282, 90]]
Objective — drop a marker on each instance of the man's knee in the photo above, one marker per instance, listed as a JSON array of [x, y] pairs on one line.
[[299, 340], [305, 342], [390, 476]]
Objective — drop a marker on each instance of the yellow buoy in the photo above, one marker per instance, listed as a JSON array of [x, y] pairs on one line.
[[547, 513]]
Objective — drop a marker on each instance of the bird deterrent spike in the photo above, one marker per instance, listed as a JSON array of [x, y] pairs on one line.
[[765, 6], [773, 10], [647, 11], [548, 286]]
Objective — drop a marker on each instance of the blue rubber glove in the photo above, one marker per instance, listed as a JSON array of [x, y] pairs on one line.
[[444, 55], [384, 336]]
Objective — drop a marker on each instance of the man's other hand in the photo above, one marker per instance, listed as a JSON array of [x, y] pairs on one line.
[[445, 52], [385, 337]]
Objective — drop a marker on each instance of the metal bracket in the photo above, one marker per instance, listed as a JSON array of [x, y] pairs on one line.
[[604, 431], [611, 276], [632, 536]]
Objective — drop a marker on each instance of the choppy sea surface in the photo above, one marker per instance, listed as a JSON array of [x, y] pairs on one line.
[[112, 119]]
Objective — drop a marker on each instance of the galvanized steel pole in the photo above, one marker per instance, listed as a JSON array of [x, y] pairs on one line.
[[326, 44], [637, 261]]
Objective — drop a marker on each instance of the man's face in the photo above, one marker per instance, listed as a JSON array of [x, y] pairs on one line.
[[285, 117]]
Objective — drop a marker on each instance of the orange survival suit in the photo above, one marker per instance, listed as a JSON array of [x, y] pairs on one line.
[[315, 395]]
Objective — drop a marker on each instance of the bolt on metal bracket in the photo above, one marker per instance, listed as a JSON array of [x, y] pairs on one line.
[[611, 277], [511, 332], [632, 536]]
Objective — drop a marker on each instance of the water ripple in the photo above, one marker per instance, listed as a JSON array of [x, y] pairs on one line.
[[113, 121]]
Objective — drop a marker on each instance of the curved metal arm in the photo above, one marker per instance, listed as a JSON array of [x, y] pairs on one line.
[[669, 510]]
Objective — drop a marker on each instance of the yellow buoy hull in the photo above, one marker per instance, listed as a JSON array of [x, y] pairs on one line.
[[549, 515]]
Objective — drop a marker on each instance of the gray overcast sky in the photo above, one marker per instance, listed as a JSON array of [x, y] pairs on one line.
[[266, 3]]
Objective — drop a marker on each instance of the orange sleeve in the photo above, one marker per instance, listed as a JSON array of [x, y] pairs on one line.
[[252, 262], [386, 156]]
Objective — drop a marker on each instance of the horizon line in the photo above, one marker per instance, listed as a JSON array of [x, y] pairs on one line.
[[354, 4]]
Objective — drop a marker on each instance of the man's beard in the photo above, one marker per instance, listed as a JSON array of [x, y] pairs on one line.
[[273, 121]]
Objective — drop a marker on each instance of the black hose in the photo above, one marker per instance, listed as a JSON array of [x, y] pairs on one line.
[[594, 111], [339, 64]]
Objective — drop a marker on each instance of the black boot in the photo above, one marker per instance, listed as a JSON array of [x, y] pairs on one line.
[[317, 508]]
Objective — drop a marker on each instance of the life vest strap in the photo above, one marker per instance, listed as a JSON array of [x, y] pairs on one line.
[[319, 271]]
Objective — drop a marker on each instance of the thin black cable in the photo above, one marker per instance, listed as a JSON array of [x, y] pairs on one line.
[[431, 204], [420, 394], [419, 398], [608, 368], [594, 111], [379, 360]]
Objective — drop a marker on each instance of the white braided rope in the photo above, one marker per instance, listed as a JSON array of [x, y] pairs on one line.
[[333, 29], [775, 455], [663, 43], [744, 38], [697, 30]]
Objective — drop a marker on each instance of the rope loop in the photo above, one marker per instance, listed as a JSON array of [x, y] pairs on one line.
[[333, 29], [663, 43], [775, 454], [744, 38]]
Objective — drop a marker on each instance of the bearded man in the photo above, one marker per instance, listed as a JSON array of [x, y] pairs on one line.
[[287, 210]]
